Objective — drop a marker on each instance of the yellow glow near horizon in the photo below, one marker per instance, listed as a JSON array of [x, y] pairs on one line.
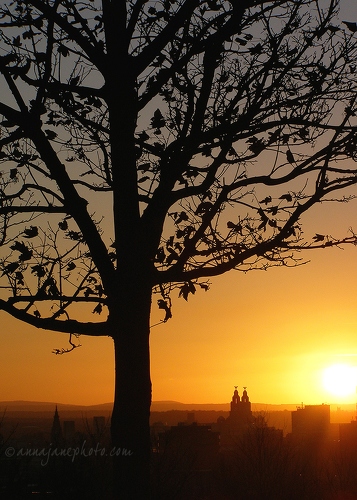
[[340, 379]]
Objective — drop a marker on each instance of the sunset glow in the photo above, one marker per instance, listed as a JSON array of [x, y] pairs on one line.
[[270, 331], [340, 379]]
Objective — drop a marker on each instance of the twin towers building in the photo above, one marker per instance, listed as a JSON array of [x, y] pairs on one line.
[[240, 419], [241, 412]]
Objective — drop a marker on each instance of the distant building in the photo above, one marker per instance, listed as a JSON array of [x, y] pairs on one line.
[[348, 438], [236, 424], [311, 422], [56, 430], [312, 434], [241, 412]]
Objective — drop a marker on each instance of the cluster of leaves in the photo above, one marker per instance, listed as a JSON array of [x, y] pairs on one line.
[[34, 276]]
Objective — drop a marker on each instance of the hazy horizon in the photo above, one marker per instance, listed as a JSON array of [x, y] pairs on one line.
[[351, 406]]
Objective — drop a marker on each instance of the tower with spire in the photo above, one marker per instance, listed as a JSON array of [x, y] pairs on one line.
[[56, 430]]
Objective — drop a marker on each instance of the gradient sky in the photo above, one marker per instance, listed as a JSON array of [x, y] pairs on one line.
[[273, 331]]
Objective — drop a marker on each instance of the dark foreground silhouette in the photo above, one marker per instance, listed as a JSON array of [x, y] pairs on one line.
[[259, 466]]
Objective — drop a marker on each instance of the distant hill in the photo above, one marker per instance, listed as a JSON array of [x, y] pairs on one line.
[[175, 405], [40, 406]]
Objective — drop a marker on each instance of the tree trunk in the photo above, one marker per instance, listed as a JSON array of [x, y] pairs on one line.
[[130, 427]]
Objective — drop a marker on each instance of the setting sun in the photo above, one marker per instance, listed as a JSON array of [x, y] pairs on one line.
[[340, 379]]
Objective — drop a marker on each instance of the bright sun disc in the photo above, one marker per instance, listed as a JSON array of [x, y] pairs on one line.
[[340, 379]]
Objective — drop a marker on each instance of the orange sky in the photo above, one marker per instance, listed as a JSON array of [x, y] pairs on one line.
[[273, 332]]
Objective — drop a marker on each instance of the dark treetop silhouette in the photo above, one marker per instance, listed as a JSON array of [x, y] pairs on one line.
[[146, 146]]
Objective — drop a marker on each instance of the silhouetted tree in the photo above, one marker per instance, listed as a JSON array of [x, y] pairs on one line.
[[147, 145]]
